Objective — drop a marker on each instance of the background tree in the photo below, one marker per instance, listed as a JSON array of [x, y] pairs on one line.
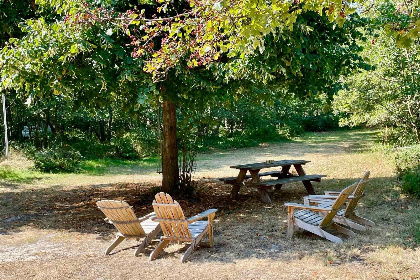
[[66, 57], [387, 97]]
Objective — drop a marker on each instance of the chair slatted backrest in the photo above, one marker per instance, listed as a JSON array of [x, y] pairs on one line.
[[171, 217], [359, 192], [121, 215], [339, 202]]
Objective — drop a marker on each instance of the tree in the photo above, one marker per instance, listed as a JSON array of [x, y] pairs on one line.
[[207, 32], [400, 20], [12, 13], [178, 40], [389, 95]]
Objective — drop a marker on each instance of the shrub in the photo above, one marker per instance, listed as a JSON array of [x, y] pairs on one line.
[[322, 122], [407, 160], [125, 147], [263, 134], [411, 182], [397, 136], [135, 145], [57, 159]]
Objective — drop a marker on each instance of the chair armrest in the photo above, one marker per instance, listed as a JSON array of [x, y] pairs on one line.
[[148, 216], [317, 199], [307, 207], [321, 196], [325, 197], [332, 193], [202, 215]]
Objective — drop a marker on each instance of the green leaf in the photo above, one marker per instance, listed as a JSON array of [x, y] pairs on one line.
[[74, 49]]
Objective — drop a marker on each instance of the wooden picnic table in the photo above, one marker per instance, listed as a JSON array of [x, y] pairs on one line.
[[284, 176]]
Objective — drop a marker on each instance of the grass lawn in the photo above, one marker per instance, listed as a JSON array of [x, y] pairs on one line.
[[50, 227]]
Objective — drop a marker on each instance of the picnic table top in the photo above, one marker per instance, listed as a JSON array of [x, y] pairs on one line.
[[268, 164]]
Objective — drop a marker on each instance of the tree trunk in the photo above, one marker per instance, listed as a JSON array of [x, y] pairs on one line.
[[6, 140], [56, 128], [102, 135], [11, 124], [169, 147], [37, 128], [110, 123], [47, 121]]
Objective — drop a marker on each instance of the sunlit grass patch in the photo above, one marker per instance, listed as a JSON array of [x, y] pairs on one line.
[[16, 175], [359, 135], [113, 166]]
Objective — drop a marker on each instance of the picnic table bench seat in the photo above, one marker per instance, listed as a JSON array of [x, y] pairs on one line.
[[282, 181], [232, 180]]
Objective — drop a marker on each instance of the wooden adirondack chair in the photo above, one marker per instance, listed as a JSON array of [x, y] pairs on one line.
[[122, 216], [347, 216], [318, 219], [176, 228]]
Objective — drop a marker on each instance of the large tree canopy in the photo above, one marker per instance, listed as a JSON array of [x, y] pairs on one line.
[[178, 52], [206, 31]]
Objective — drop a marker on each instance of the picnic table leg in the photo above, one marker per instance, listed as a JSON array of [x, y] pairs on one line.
[[235, 190], [239, 183], [278, 187], [307, 184], [285, 171], [264, 197]]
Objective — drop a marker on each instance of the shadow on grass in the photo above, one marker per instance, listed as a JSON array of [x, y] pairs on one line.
[[244, 228]]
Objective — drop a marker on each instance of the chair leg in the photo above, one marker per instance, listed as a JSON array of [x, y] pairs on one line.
[[343, 230], [162, 244], [146, 241], [211, 239], [188, 252], [330, 237], [349, 223], [194, 244], [290, 222], [117, 241], [142, 246], [362, 221]]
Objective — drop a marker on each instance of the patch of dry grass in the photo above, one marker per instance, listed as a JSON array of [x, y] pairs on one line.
[[54, 231]]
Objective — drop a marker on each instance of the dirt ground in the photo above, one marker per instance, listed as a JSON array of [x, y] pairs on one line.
[[53, 230]]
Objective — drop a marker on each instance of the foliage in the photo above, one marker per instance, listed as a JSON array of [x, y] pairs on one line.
[[411, 182], [306, 61], [12, 13], [54, 160], [401, 21], [407, 160], [205, 31], [124, 147], [387, 97]]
